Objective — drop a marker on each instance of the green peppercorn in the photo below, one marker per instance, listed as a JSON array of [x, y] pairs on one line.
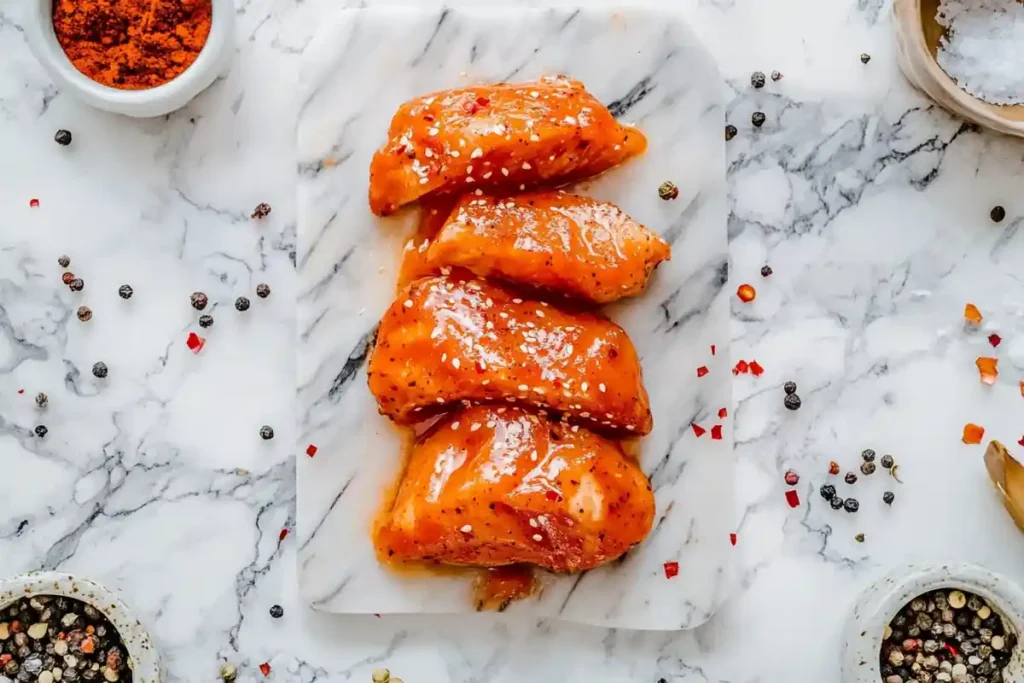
[[228, 673], [859, 538], [381, 676], [867, 468], [668, 190], [865, 58]]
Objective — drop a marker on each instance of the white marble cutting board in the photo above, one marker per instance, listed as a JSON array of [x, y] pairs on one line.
[[651, 71]]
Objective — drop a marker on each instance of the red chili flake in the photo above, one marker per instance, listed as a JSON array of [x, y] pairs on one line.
[[732, 539], [746, 293], [702, 370], [994, 339], [697, 429], [4, 659], [195, 342], [1021, 442], [741, 368], [265, 669], [833, 467], [723, 413], [482, 101], [972, 314], [716, 432], [284, 534], [792, 498], [311, 450], [950, 649], [755, 368], [712, 349], [551, 495], [34, 203], [21, 391], [972, 433], [671, 569], [792, 478]]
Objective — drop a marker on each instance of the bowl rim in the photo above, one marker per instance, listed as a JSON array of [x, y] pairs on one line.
[[145, 658], [149, 102]]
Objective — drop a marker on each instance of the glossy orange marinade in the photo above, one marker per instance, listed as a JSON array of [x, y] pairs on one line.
[[452, 339], [504, 136], [572, 245], [494, 485]]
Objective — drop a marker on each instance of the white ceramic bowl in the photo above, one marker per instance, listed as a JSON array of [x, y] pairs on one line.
[[145, 660], [212, 61], [876, 606]]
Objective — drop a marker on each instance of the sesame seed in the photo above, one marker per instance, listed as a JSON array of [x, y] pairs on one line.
[[444, 357], [408, 303], [500, 411], [538, 537], [477, 153], [440, 400], [491, 424], [534, 94], [522, 187], [475, 426], [455, 153], [479, 192], [584, 386], [630, 427], [533, 523], [469, 169], [540, 313], [533, 456], [455, 425], [485, 382], [504, 171], [428, 152], [575, 428], [487, 175], [466, 529], [602, 387], [526, 166], [538, 390], [534, 138], [424, 181], [455, 363], [584, 414], [517, 301], [433, 131], [469, 179], [523, 387]]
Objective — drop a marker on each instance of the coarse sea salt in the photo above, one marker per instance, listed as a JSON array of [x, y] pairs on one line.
[[983, 49]]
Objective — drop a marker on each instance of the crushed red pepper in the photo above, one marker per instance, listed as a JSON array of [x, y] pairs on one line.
[[972, 433], [994, 339], [716, 432], [712, 349], [793, 498], [195, 342], [34, 203], [671, 569], [732, 539], [755, 368], [311, 450], [265, 669], [723, 413], [697, 429], [741, 368], [702, 370]]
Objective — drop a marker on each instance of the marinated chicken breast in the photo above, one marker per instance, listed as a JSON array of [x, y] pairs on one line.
[[501, 136], [492, 486], [452, 339], [566, 243]]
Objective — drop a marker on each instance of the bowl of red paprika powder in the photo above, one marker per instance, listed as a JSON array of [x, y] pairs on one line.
[[140, 58]]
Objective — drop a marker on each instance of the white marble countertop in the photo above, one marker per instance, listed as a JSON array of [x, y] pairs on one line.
[[870, 205]]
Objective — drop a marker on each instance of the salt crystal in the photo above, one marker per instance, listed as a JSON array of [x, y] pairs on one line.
[[983, 48]]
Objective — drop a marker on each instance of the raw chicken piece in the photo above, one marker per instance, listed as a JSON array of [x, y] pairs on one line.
[[493, 486], [504, 135], [456, 339], [566, 243]]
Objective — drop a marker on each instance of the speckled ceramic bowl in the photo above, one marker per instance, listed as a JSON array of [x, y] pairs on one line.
[[144, 659], [876, 606]]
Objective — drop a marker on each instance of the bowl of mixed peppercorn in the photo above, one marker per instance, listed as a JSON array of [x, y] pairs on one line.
[[950, 623], [57, 628]]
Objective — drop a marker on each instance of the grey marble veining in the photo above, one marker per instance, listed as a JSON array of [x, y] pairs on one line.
[[359, 69]]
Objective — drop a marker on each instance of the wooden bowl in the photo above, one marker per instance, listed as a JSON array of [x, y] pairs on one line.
[[917, 36]]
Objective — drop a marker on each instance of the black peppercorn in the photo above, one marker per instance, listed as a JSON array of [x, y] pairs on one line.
[[199, 300], [850, 478], [77, 284], [997, 214], [828, 492], [42, 399], [99, 369], [859, 538], [64, 261], [63, 137], [241, 304], [837, 503], [766, 271], [868, 455], [262, 210], [867, 468], [865, 58], [205, 321], [851, 505], [789, 387], [125, 291], [266, 432], [263, 289], [757, 79], [776, 76], [84, 314], [792, 402], [41, 431], [887, 462], [758, 118], [730, 132], [277, 611]]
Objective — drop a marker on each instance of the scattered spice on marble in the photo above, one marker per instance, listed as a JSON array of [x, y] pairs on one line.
[[888, 497], [99, 369], [972, 433], [716, 432], [997, 214], [850, 478], [66, 278], [987, 369], [671, 569], [84, 314], [263, 290], [199, 300], [265, 669], [757, 79], [833, 467], [792, 402], [77, 284], [205, 321], [837, 503], [33, 203], [946, 635], [758, 118], [887, 461], [697, 429], [47, 638], [755, 368], [851, 505], [723, 413], [266, 432], [262, 210], [702, 370], [793, 498], [776, 76], [276, 611], [792, 478], [766, 271], [228, 673], [972, 314], [194, 342], [730, 132], [241, 304], [62, 137], [668, 190], [41, 431], [64, 261], [125, 291], [311, 450], [859, 538], [746, 293], [789, 387], [865, 58]]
